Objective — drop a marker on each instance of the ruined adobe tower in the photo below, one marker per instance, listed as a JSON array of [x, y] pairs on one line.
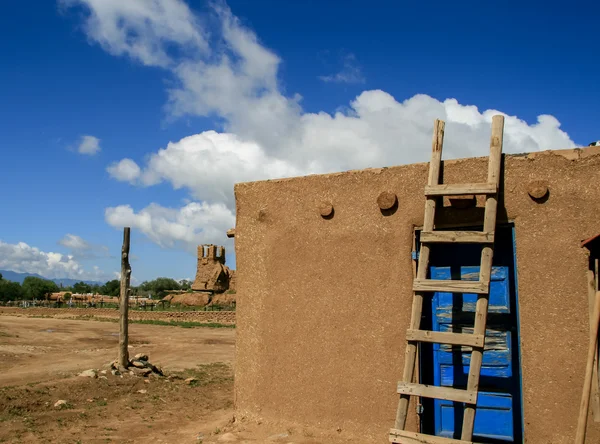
[[212, 275]]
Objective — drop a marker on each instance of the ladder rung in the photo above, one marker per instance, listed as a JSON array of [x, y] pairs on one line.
[[460, 189], [467, 237], [437, 392], [451, 286], [404, 437], [439, 337]]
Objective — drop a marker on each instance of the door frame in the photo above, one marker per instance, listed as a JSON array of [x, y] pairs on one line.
[[509, 225]]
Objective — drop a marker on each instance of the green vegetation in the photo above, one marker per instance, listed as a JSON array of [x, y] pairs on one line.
[[158, 287], [183, 324], [37, 288], [10, 291]]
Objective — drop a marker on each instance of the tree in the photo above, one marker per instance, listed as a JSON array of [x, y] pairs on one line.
[[37, 288], [158, 286], [111, 288], [82, 288], [10, 291], [184, 284]]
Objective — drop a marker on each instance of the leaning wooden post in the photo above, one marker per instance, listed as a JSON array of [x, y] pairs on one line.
[[587, 382], [124, 301]]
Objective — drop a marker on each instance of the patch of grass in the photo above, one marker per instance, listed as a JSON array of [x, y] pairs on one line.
[[183, 324], [207, 374], [3, 334], [101, 403], [66, 406]]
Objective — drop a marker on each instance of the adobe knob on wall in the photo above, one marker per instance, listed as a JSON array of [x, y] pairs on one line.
[[538, 190]]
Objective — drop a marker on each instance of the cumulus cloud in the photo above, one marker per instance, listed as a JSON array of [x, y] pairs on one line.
[[125, 170], [88, 145], [74, 242], [350, 72], [23, 258], [142, 29], [82, 249], [195, 223], [231, 76], [376, 130]]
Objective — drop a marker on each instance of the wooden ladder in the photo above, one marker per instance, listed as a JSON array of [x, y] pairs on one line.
[[423, 286]]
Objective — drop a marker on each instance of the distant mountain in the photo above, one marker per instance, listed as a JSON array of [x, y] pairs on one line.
[[65, 282]]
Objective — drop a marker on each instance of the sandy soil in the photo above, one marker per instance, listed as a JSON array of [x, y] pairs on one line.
[[40, 359]]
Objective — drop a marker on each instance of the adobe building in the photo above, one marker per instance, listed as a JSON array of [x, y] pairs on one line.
[[326, 278], [212, 275]]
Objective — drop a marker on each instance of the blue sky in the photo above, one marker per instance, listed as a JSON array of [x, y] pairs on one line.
[[92, 91]]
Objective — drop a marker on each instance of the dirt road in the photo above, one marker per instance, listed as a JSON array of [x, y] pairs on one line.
[[40, 360]]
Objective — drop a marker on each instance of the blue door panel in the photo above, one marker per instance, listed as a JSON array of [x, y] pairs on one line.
[[493, 419], [454, 312]]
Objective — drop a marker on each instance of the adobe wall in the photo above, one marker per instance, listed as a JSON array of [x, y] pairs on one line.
[[325, 303]]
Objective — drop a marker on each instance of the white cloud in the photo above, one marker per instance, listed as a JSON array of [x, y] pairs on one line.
[[375, 130], [125, 170], [82, 249], [142, 29], [23, 258], [195, 223], [89, 145], [74, 242], [266, 133], [350, 72]]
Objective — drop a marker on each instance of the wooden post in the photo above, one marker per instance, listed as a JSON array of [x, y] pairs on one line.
[[587, 383], [124, 301]]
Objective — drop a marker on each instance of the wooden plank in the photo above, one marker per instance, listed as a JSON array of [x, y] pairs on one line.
[[429, 285], [587, 382], [410, 355], [438, 337], [596, 381], [466, 237], [460, 189], [595, 401], [485, 270], [404, 437], [436, 392]]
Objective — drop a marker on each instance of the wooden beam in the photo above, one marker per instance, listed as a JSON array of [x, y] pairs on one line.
[[436, 392], [450, 286], [410, 355], [465, 237], [404, 437], [595, 400], [460, 189], [485, 269], [231, 232], [587, 382], [438, 337], [124, 301]]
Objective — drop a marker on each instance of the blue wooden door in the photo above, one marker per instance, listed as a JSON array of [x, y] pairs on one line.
[[499, 389]]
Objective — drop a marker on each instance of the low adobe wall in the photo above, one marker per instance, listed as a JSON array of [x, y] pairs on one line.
[[221, 317], [326, 302]]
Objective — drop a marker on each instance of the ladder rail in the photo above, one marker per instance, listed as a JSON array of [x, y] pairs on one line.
[[417, 305], [485, 270]]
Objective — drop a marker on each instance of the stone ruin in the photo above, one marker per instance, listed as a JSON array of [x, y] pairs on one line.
[[212, 275]]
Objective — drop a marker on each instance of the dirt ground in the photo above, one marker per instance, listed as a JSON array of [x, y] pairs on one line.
[[40, 359]]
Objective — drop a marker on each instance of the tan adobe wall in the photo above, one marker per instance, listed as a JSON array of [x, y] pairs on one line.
[[324, 303]]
